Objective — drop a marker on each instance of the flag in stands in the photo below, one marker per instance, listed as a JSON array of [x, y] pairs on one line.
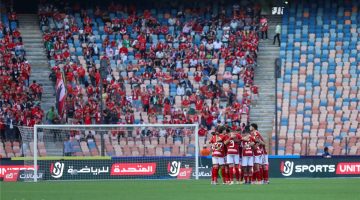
[[60, 94]]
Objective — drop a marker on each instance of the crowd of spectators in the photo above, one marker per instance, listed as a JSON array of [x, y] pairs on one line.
[[19, 99], [173, 67]]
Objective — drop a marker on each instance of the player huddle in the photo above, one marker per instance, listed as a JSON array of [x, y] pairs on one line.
[[239, 153]]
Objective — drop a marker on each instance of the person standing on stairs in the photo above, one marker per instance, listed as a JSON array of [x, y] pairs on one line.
[[264, 27], [277, 34]]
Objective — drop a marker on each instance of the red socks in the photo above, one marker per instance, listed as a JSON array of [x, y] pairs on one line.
[[237, 175], [224, 175], [250, 175], [254, 176], [231, 173], [214, 174], [242, 175], [260, 175], [266, 173]]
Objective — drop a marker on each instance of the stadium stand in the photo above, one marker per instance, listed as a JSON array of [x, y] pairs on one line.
[[183, 66], [19, 99], [318, 98], [207, 77]]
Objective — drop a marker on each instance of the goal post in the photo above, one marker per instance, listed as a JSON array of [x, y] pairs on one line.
[[124, 151]]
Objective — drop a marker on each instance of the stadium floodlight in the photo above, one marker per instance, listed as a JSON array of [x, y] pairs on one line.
[[111, 151]]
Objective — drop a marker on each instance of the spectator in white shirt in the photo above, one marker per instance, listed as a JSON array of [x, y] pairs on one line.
[[236, 69], [217, 45], [180, 91], [193, 62], [243, 61], [172, 21], [109, 53], [225, 38], [162, 133], [234, 24], [91, 38], [209, 46], [123, 57], [186, 29], [178, 64], [95, 49], [160, 54], [226, 27]]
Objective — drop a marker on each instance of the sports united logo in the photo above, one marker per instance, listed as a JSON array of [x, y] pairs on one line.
[[287, 168], [57, 169], [174, 168]]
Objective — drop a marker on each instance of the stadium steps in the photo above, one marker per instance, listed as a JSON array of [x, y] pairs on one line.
[[36, 55], [263, 113]]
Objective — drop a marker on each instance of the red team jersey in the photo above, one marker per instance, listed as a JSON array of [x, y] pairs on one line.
[[258, 150], [247, 150], [257, 135], [233, 146], [218, 148]]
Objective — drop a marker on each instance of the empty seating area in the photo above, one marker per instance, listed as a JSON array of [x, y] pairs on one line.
[[140, 146], [10, 149], [318, 98], [135, 142], [176, 142]]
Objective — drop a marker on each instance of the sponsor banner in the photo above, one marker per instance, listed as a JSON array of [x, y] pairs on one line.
[[72, 169], [28, 175], [11, 176], [133, 169], [120, 168], [204, 172], [185, 173], [57, 169], [4, 169], [348, 168], [315, 167], [170, 168]]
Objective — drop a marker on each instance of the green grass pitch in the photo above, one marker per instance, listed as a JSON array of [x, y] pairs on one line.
[[287, 189]]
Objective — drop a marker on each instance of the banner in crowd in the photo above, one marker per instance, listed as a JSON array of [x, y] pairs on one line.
[[171, 168], [60, 93]]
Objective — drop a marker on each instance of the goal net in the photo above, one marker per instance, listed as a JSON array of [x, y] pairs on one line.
[[83, 152]]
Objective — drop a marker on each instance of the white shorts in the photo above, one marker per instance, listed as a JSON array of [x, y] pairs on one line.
[[232, 159], [218, 160], [247, 161], [265, 159], [258, 159]]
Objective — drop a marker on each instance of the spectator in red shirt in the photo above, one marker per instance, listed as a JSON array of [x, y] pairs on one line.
[[254, 93], [202, 131], [185, 102]]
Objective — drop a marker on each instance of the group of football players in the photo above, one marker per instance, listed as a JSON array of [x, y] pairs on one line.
[[241, 153]]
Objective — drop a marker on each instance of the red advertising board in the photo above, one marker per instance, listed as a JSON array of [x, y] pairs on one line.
[[133, 169], [11, 176], [348, 168], [16, 168], [185, 173]]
